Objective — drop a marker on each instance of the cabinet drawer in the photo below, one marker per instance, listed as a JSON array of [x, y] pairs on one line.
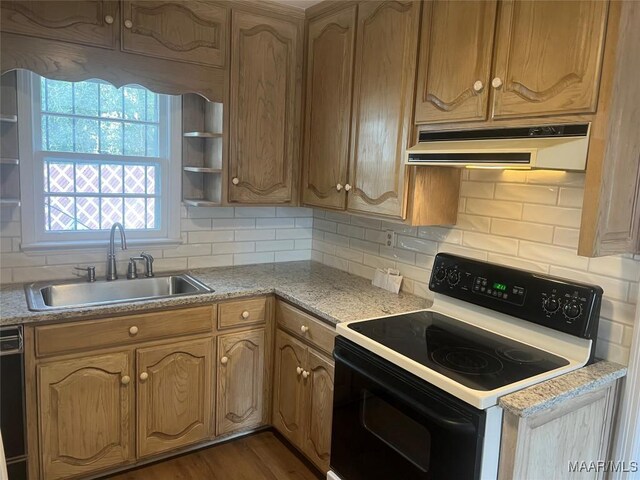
[[90, 335], [242, 312], [304, 326]]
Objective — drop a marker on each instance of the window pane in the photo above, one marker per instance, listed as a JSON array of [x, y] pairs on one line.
[[88, 212], [87, 178], [111, 179], [151, 213], [86, 99], [110, 101], [111, 212], [111, 138], [134, 179], [134, 103], [134, 213], [59, 97], [60, 133], [62, 213], [45, 136], [61, 177], [151, 180], [152, 107], [152, 141], [134, 139], [87, 135], [46, 176]]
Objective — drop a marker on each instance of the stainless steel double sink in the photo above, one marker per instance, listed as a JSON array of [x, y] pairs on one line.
[[77, 294]]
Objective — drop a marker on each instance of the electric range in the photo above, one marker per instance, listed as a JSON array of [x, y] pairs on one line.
[[491, 330]]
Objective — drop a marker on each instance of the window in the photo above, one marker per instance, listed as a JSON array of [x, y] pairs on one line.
[[95, 155]]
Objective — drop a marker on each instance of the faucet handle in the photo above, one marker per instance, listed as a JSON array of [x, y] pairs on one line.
[[90, 271], [148, 262]]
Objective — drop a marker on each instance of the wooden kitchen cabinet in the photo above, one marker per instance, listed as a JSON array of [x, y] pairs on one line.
[[240, 402], [288, 393], [548, 57], [454, 71], [384, 81], [194, 32], [85, 409], [328, 108], [264, 109], [174, 395], [86, 22]]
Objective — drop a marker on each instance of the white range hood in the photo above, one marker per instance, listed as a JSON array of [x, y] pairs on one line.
[[555, 147]]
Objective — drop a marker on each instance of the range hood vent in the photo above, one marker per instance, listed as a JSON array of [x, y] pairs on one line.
[[556, 147]]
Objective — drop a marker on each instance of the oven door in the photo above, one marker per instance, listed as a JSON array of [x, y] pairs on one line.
[[388, 423]]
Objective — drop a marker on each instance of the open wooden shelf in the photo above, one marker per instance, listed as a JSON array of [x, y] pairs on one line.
[[198, 202], [202, 170], [202, 135], [9, 161], [8, 118]]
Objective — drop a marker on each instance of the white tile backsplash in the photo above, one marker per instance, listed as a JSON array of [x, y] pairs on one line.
[[526, 220], [213, 237]]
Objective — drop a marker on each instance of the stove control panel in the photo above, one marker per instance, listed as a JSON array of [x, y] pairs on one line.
[[554, 302]]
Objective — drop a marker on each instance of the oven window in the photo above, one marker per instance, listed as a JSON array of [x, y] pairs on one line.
[[397, 430]]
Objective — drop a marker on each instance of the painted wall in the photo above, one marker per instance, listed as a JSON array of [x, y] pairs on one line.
[[524, 219]]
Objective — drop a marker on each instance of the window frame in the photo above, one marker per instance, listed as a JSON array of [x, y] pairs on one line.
[[32, 158]]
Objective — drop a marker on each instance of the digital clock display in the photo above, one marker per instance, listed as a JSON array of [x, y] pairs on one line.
[[500, 286]]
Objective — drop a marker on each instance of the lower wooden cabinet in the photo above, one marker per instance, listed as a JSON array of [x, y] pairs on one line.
[[303, 398], [240, 385], [174, 395], [85, 414]]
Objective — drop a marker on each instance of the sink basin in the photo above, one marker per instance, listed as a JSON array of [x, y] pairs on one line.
[[75, 294]]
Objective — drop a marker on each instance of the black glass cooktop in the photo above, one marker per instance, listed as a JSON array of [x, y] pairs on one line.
[[469, 355]]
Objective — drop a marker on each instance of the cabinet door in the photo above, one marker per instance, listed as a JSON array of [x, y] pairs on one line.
[[194, 32], [174, 395], [240, 390], [328, 108], [85, 409], [548, 57], [318, 410], [288, 387], [264, 105], [386, 50], [455, 61], [85, 22]]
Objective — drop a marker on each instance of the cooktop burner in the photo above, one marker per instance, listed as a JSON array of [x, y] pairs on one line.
[[469, 355]]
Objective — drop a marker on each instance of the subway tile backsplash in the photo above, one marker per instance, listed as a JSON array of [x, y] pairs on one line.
[[526, 220], [213, 237]]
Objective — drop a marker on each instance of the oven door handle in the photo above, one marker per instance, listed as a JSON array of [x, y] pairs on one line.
[[459, 425]]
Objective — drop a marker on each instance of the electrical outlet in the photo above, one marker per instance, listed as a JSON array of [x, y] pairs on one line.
[[391, 238]]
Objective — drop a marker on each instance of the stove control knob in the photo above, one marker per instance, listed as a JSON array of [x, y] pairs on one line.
[[551, 304], [453, 277], [441, 274], [572, 310]]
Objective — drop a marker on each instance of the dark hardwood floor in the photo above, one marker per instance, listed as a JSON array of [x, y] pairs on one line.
[[261, 456]]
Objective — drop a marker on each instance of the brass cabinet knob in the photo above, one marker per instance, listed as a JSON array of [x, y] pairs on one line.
[[144, 376], [224, 360], [299, 370], [347, 187], [496, 82], [235, 180], [304, 329], [133, 331], [125, 380], [339, 187], [108, 19], [128, 23], [305, 374], [478, 86], [245, 314]]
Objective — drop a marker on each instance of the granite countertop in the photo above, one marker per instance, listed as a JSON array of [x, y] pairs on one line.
[[545, 395], [330, 294]]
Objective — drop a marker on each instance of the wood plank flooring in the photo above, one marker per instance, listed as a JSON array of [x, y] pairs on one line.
[[262, 456]]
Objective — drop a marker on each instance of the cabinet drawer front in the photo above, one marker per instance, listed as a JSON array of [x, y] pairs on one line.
[[242, 312], [69, 337], [304, 326]]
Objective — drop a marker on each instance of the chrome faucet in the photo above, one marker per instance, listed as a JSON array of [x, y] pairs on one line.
[[112, 273]]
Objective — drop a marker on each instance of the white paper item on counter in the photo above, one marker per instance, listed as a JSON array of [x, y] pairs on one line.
[[389, 279]]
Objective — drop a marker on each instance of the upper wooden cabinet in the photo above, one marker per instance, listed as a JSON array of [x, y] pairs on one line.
[[454, 71], [174, 395], [194, 31], [264, 109], [240, 386], [385, 62], [548, 57], [86, 22], [328, 108], [85, 407]]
